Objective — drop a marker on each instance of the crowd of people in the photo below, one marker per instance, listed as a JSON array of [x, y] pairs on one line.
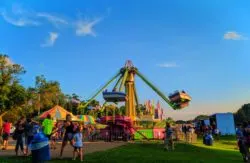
[[67, 132], [72, 133]]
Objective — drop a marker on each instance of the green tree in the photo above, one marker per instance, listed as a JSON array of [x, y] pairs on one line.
[[201, 117], [17, 95], [73, 103], [122, 110], [180, 122], [8, 79], [46, 94], [170, 120], [94, 103], [11, 92], [243, 114]]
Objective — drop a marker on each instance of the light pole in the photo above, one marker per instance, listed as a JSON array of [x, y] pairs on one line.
[[39, 105]]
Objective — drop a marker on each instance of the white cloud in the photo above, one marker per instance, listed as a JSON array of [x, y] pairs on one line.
[[84, 28], [52, 19], [232, 35], [51, 40], [19, 21], [168, 65]]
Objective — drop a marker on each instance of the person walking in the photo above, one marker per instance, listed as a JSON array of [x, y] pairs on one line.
[[6, 133]]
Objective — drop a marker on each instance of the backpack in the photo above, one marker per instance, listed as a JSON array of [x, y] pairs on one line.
[[14, 136]]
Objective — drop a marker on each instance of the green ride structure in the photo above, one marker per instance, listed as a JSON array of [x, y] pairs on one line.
[[124, 90]]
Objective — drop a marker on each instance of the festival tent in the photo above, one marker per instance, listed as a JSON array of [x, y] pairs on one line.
[[224, 122], [57, 113], [87, 119]]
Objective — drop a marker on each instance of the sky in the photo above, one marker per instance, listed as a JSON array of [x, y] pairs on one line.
[[198, 46]]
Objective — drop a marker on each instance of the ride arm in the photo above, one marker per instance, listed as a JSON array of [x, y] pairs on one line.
[[136, 97], [98, 92], [117, 83], [123, 80], [156, 90]]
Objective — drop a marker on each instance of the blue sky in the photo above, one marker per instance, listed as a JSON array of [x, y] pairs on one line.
[[199, 46]]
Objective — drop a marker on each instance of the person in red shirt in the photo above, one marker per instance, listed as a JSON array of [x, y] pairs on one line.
[[6, 133]]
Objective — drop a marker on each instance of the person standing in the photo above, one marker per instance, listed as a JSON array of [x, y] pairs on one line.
[[28, 130], [191, 134], [246, 139], [20, 135], [217, 133], [78, 143], [47, 126], [68, 135], [184, 129], [169, 142], [6, 133]]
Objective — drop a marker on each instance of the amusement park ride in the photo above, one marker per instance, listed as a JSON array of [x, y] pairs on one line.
[[126, 79]]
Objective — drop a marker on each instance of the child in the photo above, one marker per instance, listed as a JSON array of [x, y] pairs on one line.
[[169, 142], [78, 144]]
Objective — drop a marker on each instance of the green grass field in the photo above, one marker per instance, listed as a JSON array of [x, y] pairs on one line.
[[222, 151]]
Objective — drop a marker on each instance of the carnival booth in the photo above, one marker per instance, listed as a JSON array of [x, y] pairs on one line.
[[57, 113]]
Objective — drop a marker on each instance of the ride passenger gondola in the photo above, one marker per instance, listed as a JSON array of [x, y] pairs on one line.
[[114, 96], [180, 99]]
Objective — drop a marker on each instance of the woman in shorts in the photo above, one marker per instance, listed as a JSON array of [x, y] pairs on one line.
[[68, 135]]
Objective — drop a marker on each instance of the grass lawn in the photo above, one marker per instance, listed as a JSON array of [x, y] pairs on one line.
[[222, 152]]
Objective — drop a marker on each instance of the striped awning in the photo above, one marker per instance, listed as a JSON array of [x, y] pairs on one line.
[[57, 113], [87, 119]]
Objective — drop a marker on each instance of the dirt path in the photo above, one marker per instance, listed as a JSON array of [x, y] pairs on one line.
[[89, 147]]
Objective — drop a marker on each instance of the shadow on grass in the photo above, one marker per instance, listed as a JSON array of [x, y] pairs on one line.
[[153, 152]]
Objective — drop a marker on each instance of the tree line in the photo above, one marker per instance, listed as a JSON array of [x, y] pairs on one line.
[[16, 100], [240, 116]]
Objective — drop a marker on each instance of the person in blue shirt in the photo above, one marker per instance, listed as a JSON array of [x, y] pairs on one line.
[[239, 132], [169, 142], [78, 143]]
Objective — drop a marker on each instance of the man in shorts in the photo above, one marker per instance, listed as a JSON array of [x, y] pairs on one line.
[[5, 134], [69, 133]]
